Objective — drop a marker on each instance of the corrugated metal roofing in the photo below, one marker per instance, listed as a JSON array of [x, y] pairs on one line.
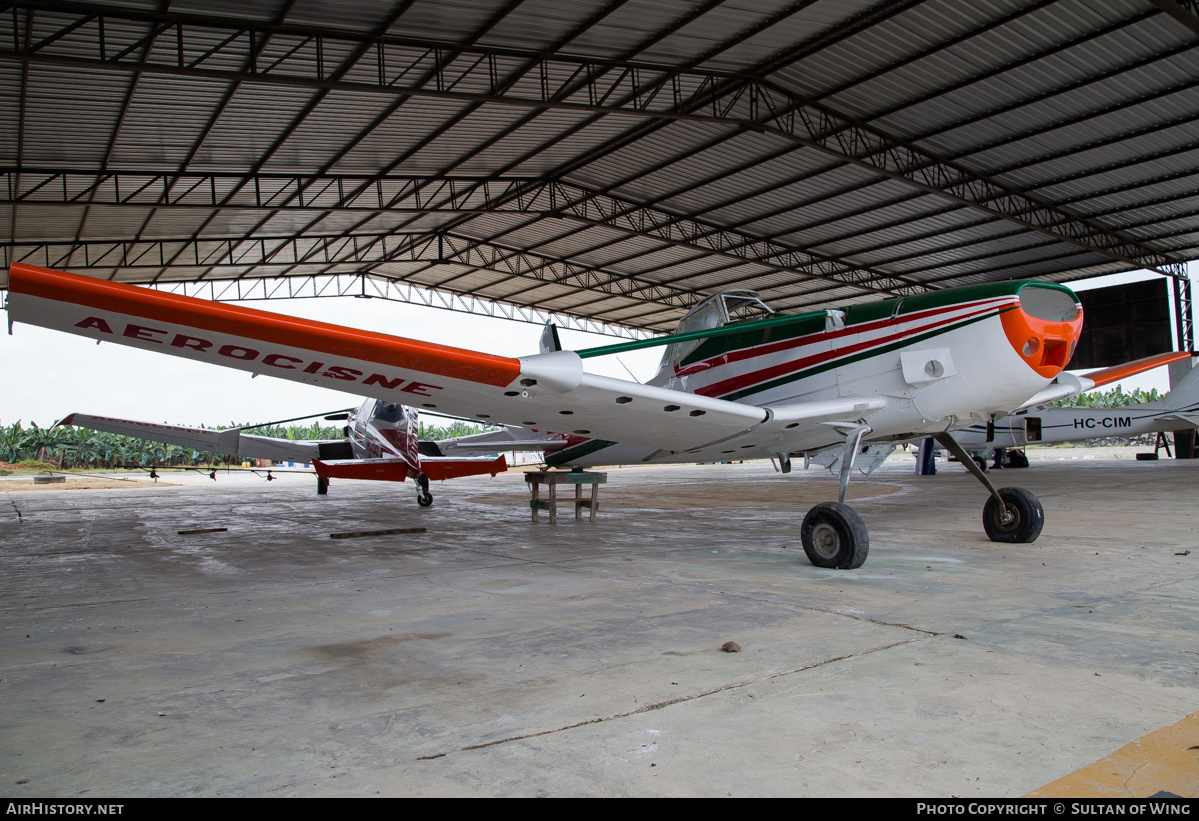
[[612, 160]]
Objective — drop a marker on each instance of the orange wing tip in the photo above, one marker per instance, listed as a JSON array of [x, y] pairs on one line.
[[1118, 372], [411, 354]]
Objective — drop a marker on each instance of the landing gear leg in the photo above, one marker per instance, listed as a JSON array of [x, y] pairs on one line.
[[1012, 514], [832, 533], [423, 497]]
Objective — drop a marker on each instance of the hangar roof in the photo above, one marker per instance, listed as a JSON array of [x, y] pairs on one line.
[[608, 160]]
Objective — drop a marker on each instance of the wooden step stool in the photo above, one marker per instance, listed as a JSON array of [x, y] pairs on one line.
[[553, 478]]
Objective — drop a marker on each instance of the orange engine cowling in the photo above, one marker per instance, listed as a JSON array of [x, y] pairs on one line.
[[1044, 330]]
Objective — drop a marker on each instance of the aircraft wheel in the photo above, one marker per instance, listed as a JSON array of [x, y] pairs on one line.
[[1028, 517], [981, 462], [423, 497], [322, 486], [834, 535]]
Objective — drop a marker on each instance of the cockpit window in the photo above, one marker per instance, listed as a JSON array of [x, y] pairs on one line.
[[713, 312], [388, 411]]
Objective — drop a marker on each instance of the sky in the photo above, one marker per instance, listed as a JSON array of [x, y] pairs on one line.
[[45, 375]]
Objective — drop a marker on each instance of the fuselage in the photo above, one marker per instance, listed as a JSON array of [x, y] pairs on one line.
[[1055, 425], [385, 430], [941, 360]]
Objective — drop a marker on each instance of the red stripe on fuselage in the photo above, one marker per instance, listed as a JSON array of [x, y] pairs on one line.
[[743, 381], [865, 327]]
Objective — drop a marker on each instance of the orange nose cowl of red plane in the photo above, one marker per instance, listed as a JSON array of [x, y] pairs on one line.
[[1045, 328]]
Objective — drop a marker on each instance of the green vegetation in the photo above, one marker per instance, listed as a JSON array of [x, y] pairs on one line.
[[432, 432], [1115, 398], [34, 447]]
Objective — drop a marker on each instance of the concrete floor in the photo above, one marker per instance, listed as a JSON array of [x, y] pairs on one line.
[[491, 656]]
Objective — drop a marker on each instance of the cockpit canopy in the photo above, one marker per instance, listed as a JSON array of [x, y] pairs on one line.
[[389, 412]]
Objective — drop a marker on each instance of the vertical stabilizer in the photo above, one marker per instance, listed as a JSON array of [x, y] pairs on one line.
[[1186, 392], [549, 339]]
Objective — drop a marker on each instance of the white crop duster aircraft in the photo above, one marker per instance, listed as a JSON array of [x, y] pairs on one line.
[[789, 383]]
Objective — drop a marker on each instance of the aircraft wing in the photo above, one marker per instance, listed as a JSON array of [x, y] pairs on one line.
[[547, 391], [1067, 384], [494, 441], [231, 442]]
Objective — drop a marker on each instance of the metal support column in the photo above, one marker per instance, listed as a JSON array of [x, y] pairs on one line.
[[1184, 314]]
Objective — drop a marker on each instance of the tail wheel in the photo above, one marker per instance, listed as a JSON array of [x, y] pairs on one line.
[[1026, 517], [833, 535]]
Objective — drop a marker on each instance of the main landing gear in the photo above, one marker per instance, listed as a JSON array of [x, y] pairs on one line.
[[833, 534], [423, 497], [1012, 514]]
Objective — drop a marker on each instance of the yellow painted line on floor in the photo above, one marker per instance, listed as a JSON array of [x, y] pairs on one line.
[[1166, 760]]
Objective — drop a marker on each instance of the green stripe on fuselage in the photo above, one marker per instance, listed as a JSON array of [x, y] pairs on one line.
[[777, 329], [576, 452]]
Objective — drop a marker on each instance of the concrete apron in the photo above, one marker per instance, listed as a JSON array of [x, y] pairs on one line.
[[491, 656]]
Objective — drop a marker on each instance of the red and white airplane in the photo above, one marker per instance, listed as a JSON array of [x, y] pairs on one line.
[[382, 443], [761, 387]]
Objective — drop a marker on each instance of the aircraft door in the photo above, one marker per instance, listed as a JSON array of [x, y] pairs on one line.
[[1032, 428]]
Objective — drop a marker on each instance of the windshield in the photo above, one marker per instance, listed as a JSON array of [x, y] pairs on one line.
[[388, 411]]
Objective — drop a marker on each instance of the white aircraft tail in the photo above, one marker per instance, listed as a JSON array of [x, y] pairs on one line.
[[1186, 393]]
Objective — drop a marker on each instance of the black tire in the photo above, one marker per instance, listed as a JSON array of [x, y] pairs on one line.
[[1026, 525], [322, 486], [833, 535], [981, 462], [423, 497]]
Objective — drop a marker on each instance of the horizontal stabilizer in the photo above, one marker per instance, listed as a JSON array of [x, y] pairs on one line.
[[397, 470], [379, 470], [438, 469]]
